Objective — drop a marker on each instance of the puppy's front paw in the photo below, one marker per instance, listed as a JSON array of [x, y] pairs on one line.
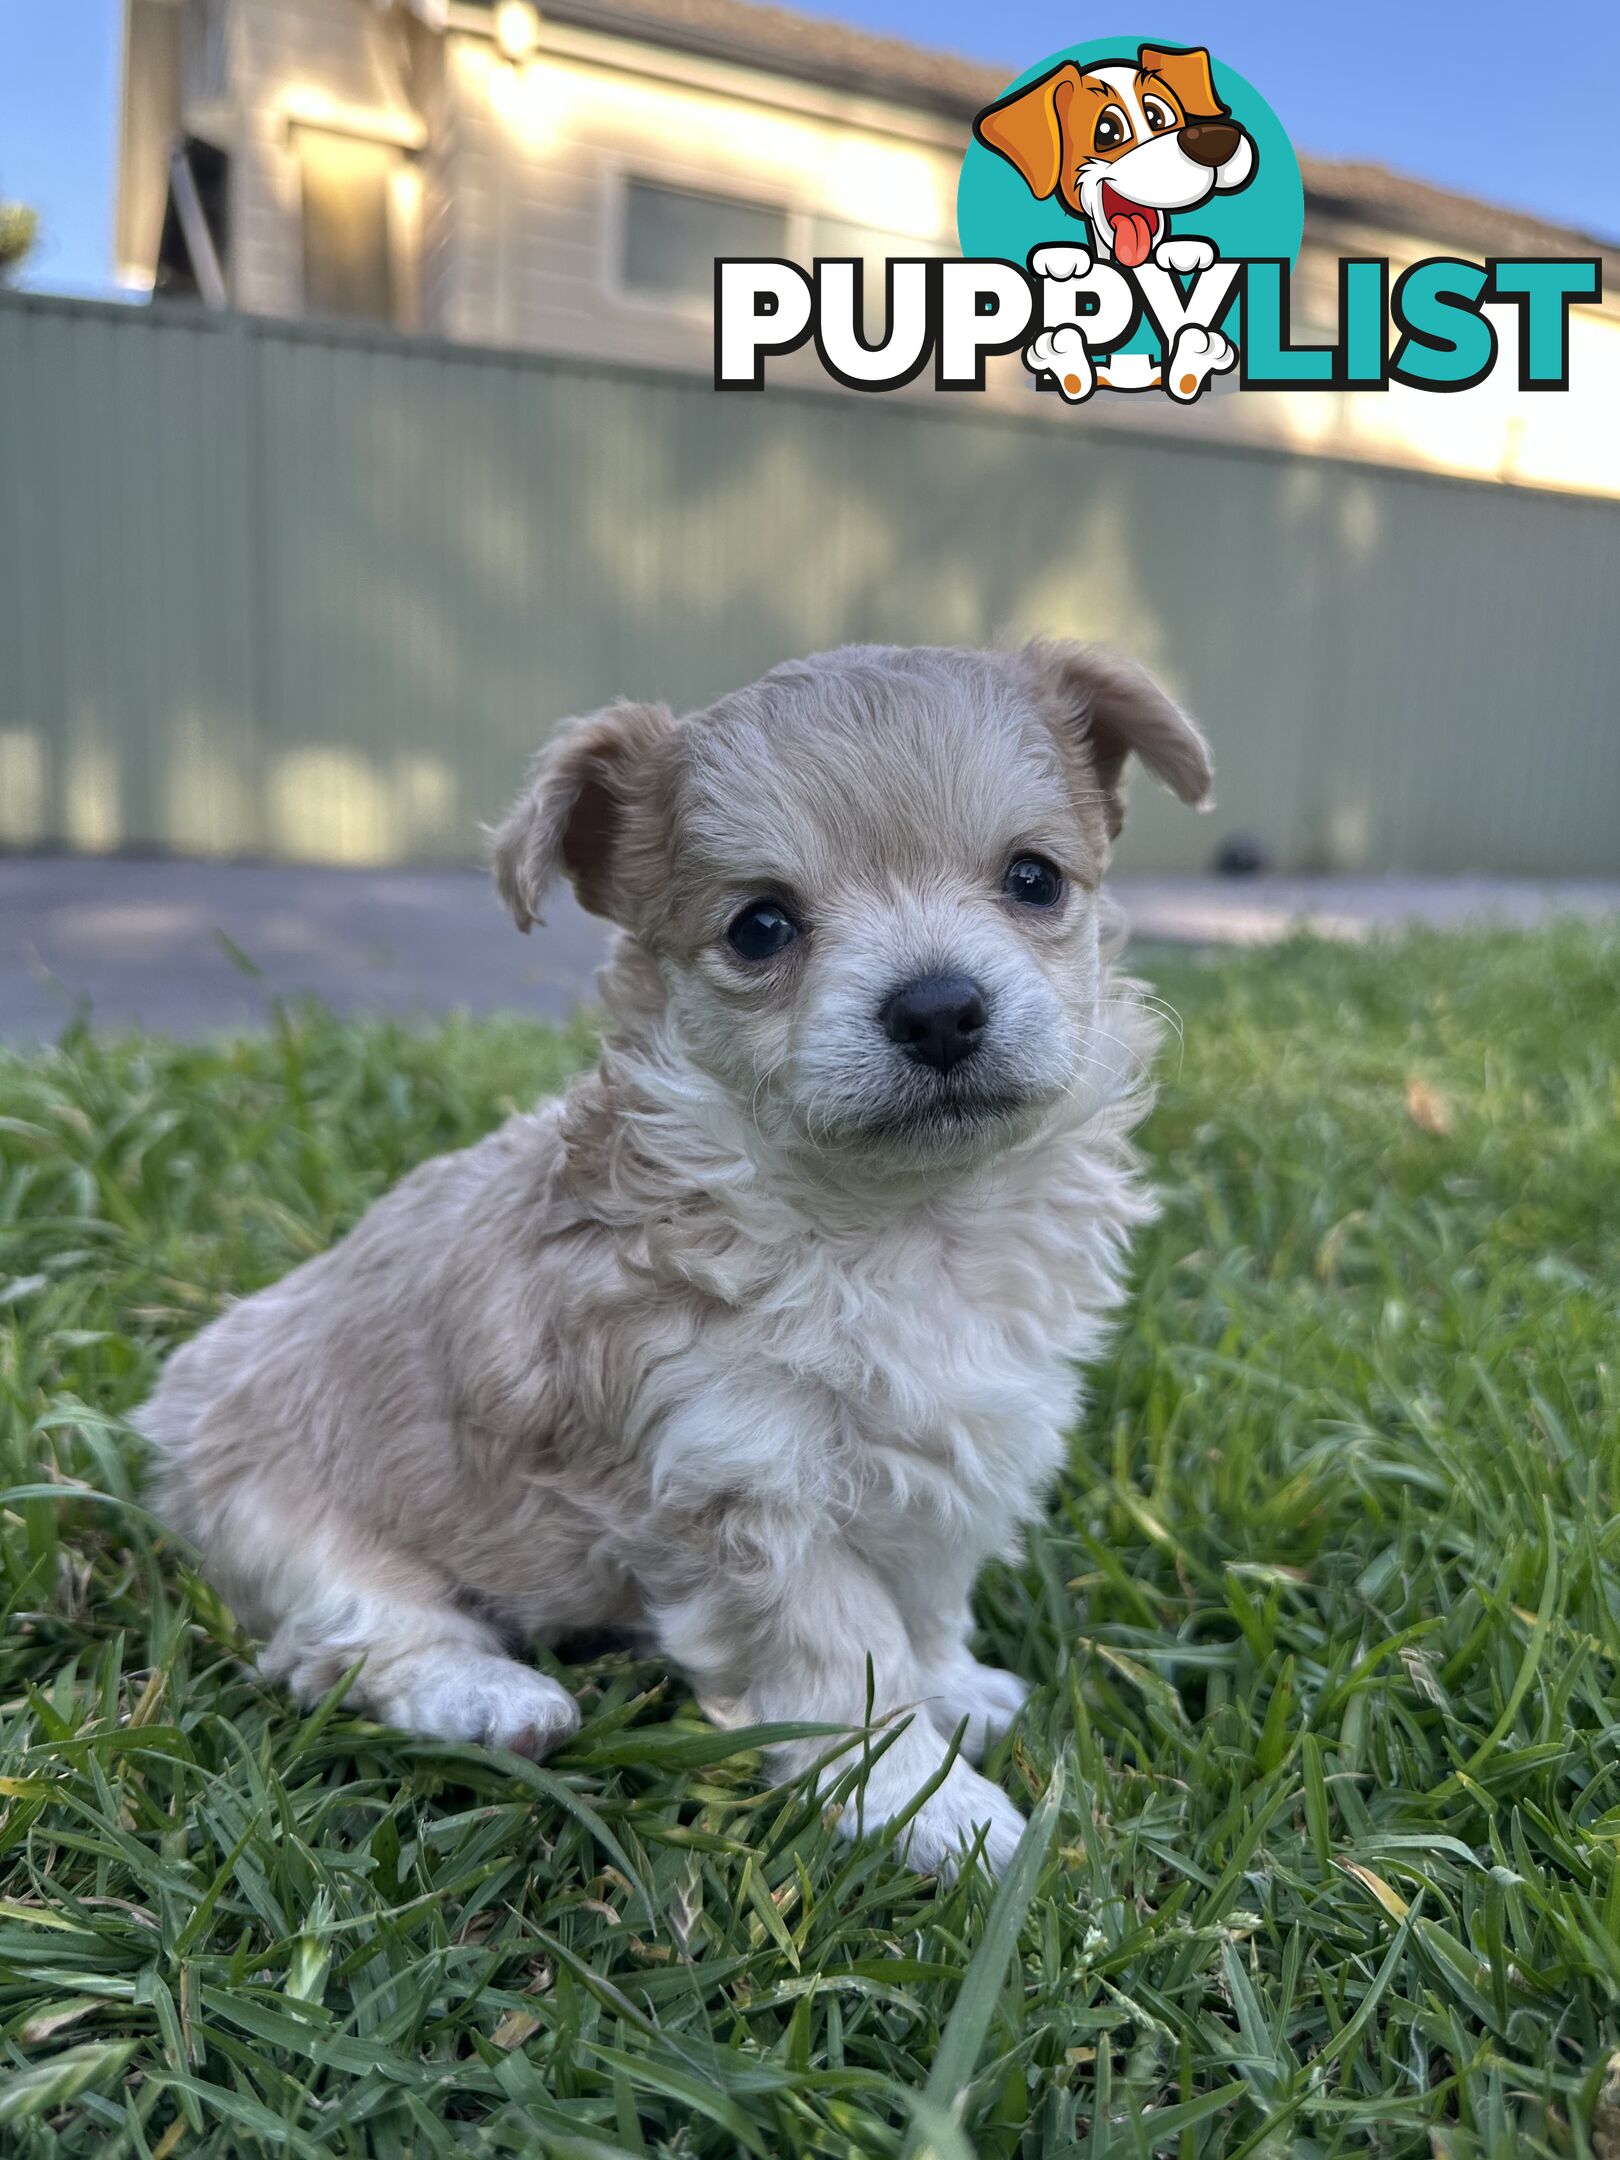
[[983, 1694], [493, 1700], [947, 1826], [532, 1720]]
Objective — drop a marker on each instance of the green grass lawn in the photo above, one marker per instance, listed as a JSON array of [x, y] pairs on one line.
[[1325, 1627]]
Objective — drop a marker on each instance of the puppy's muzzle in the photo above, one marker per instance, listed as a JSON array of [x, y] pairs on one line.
[[938, 1020], [1210, 142]]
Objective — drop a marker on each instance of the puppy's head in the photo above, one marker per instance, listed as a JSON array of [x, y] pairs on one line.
[[868, 883], [1122, 145]]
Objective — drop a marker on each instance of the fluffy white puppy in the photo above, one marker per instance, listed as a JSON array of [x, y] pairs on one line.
[[764, 1336]]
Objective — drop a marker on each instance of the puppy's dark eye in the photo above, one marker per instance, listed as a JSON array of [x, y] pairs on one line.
[[1033, 881], [1158, 117], [761, 931], [1112, 128]]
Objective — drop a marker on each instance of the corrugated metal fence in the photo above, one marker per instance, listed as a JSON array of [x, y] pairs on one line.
[[267, 591]]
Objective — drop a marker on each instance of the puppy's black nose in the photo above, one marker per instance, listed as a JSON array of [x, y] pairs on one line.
[[937, 1020], [1210, 142]]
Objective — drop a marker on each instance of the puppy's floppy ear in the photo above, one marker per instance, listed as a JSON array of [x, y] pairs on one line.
[[588, 813], [1027, 128], [1112, 707], [1187, 76]]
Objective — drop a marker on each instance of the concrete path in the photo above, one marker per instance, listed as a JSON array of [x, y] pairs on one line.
[[151, 942], [1260, 910]]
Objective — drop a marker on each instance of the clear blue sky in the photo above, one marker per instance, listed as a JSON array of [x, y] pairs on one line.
[[1512, 104]]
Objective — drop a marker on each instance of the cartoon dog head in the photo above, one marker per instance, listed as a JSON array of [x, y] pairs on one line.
[[1123, 145]]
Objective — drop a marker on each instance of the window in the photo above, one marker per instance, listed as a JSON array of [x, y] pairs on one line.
[[196, 224], [672, 237], [837, 236], [348, 247]]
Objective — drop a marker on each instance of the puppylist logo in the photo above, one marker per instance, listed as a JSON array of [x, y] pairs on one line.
[[1130, 216]]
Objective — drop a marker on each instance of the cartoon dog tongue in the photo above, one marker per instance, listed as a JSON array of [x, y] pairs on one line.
[[1133, 228]]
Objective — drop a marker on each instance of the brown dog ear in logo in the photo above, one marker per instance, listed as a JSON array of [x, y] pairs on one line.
[[1027, 128], [1186, 76]]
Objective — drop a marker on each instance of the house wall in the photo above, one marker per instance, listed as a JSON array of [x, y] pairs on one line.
[[316, 595], [332, 64], [543, 153], [510, 183], [1494, 431]]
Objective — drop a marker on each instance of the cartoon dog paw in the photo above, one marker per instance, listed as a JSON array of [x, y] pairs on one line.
[[1060, 264], [1062, 354], [1186, 255], [1196, 355]]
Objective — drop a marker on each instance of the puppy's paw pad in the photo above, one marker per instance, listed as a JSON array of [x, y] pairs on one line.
[[1184, 255], [533, 1741]]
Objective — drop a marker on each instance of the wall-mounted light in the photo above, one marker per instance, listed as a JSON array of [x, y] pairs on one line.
[[517, 29]]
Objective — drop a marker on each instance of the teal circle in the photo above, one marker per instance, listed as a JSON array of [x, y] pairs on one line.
[[996, 215]]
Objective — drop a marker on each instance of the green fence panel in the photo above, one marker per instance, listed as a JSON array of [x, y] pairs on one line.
[[267, 590]]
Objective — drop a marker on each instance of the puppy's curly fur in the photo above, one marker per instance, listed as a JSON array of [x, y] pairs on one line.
[[765, 1336]]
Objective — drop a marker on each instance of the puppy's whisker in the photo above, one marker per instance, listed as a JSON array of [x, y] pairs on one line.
[[1154, 1003]]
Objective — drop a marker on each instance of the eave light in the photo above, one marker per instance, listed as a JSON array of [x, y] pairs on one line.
[[517, 29]]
